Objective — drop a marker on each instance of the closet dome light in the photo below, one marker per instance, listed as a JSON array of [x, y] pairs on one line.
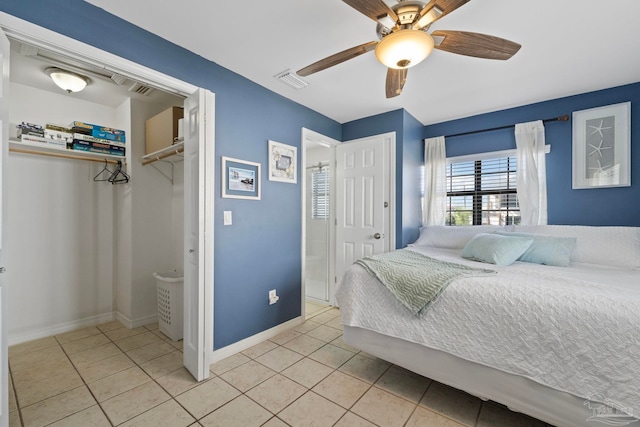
[[67, 80]]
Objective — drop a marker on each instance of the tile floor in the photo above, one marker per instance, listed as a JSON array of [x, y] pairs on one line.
[[312, 308], [307, 376]]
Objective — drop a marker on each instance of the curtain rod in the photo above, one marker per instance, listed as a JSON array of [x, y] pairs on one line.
[[554, 119]]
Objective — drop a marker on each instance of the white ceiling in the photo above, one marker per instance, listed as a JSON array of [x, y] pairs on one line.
[[568, 47], [28, 65]]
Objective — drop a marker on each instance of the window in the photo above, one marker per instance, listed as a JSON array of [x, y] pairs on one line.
[[320, 194], [482, 190]]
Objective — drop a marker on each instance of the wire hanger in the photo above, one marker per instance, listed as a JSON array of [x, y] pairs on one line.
[[109, 172], [119, 176]]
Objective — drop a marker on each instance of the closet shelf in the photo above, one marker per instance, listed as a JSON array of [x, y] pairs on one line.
[[17, 146], [170, 153]]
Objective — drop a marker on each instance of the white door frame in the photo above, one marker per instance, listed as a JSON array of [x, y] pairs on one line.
[[309, 136], [33, 34], [390, 146], [4, 152]]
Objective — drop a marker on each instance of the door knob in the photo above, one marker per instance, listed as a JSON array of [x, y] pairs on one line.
[[2, 269], [377, 236], [191, 251]]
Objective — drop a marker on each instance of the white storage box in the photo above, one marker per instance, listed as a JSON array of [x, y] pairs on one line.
[[170, 306]]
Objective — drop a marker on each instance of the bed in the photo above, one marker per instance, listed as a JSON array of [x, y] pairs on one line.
[[559, 343]]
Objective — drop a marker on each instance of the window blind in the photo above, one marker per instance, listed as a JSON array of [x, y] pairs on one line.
[[320, 194], [482, 192]]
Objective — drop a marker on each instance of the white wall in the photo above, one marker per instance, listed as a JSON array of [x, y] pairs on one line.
[[80, 250], [153, 224], [60, 224]]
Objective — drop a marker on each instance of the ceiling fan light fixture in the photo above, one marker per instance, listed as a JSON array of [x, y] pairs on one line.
[[404, 48], [67, 80]]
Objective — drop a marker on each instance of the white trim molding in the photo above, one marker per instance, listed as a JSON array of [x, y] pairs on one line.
[[60, 328], [249, 342]]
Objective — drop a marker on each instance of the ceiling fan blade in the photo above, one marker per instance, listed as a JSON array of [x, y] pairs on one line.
[[337, 58], [374, 9], [395, 81], [435, 10], [475, 44]]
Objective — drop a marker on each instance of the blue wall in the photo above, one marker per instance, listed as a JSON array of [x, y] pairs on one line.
[[261, 250], [412, 161], [409, 159], [602, 206]]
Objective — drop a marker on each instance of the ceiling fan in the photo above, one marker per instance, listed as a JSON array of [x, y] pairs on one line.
[[404, 41]]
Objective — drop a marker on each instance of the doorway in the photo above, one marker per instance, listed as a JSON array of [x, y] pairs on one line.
[[318, 156], [318, 230], [200, 321]]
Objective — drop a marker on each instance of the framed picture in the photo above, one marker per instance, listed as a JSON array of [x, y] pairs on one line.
[[602, 147], [283, 162], [240, 179]]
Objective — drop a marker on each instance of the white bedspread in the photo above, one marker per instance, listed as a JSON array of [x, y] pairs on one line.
[[575, 329]]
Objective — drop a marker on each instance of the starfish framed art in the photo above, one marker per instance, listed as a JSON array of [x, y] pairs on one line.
[[601, 147]]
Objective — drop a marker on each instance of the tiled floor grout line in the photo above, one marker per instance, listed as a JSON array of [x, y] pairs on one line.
[[415, 408], [336, 369], [152, 379], [15, 394], [84, 382]]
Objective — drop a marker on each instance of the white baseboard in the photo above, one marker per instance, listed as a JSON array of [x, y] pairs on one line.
[[60, 328], [135, 323], [246, 343]]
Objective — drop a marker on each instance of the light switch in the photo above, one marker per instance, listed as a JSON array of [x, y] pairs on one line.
[[227, 218]]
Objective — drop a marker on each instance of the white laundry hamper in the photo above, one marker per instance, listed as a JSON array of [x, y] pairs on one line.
[[170, 303]]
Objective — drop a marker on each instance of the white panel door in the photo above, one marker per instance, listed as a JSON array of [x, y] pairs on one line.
[[362, 199], [198, 232], [4, 151]]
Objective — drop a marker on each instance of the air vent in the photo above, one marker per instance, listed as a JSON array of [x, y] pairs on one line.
[[141, 89], [28, 50], [291, 79]]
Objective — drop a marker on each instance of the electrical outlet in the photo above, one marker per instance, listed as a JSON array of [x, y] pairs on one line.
[[273, 298]]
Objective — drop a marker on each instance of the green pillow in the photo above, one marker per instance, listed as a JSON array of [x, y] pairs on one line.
[[496, 249], [547, 250]]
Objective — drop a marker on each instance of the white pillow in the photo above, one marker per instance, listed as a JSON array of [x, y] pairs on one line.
[[614, 246], [454, 236]]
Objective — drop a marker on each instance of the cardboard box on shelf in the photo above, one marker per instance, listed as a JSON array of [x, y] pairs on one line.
[[162, 129]]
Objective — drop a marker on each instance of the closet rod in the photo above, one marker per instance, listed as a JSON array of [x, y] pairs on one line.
[[64, 156], [146, 161], [554, 119]]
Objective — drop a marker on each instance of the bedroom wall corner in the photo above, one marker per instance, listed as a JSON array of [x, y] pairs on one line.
[[412, 186]]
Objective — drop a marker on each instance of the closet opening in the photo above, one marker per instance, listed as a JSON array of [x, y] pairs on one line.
[[99, 224]]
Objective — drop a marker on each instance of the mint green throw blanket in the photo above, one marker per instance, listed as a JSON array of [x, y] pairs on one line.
[[416, 280]]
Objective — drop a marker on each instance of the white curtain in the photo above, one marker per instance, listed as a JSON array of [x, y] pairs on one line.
[[435, 188], [531, 173]]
